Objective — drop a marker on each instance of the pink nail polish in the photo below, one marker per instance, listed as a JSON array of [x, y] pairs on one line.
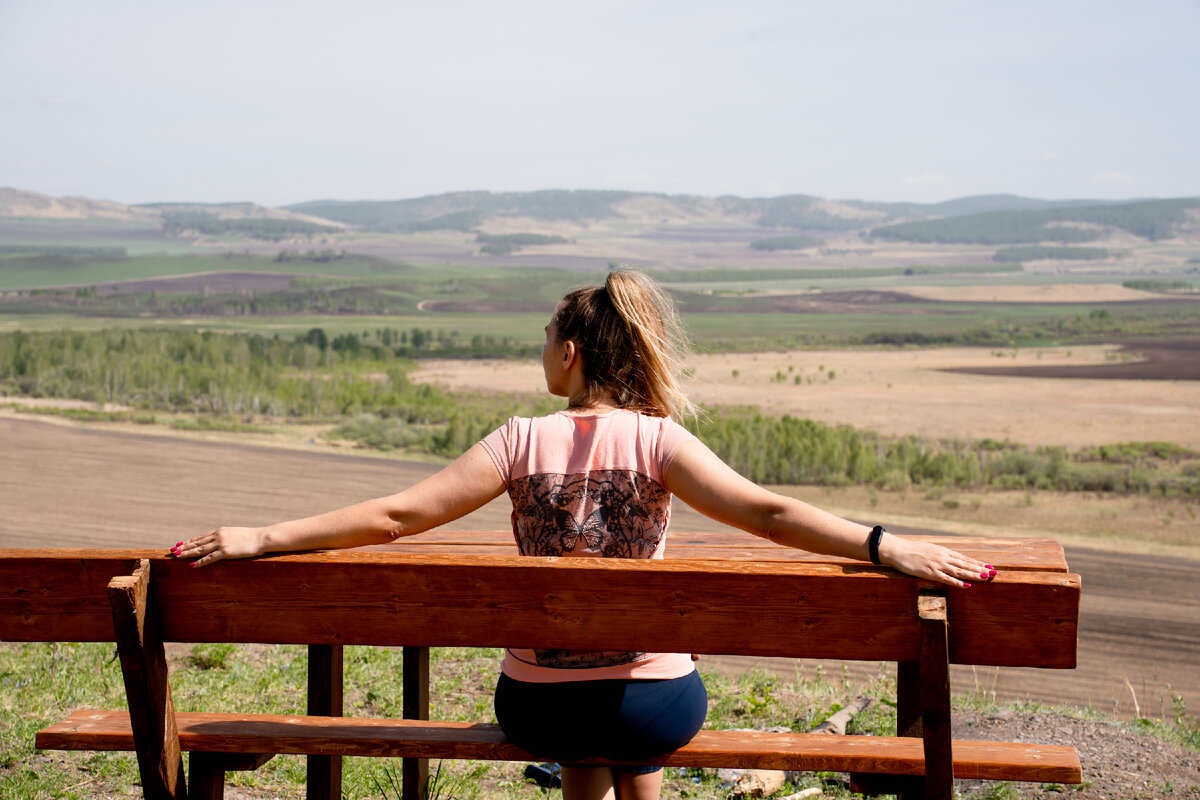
[[179, 544], [989, 566], [194, 563], [984, 575], [966, 585]]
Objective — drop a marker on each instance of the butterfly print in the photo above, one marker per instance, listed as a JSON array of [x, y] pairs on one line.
[[624, 514], [591, 532], [584, 659]]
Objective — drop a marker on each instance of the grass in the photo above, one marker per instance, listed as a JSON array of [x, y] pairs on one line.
[[20, 273], [40, 683], [524, 328], [1120, 523]]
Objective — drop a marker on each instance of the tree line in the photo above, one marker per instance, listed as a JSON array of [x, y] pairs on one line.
[[359, 383], [178, 223]]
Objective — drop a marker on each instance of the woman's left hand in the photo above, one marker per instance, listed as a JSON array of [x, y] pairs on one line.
[[934, 562]]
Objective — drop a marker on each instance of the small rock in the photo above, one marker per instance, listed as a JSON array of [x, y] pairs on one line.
[[759, 783]]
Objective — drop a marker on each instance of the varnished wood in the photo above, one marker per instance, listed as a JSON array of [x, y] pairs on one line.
[[147, 689], [325, 662], [206, 776], [1025, 554], [350, 736], [417, 595], [414, 772], [813, 610], [206, 771], [935, 697]]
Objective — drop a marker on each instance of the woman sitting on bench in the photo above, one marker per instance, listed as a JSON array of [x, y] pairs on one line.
[[595, 480]]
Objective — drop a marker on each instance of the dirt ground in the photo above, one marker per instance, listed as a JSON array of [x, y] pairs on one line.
[[927, 393]]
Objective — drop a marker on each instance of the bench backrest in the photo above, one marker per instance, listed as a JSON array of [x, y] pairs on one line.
[[797, 609]]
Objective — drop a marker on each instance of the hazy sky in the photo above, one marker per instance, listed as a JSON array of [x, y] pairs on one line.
[[280, 102]]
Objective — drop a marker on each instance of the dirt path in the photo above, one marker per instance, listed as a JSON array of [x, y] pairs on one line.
[[63, 486]]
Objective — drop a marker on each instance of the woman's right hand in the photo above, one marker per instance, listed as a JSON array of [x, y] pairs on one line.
[[219, 544]]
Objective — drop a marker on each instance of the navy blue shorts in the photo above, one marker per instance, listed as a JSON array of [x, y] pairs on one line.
[[622, 720]]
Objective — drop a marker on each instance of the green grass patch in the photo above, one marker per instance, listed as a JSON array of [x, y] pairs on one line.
[[1036, 252], [41, 683]]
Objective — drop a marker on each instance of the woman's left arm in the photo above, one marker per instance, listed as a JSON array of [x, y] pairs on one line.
[[466, 484], [706, 483]]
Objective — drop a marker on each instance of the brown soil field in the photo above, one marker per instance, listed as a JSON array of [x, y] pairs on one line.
[[69, 486], [1045, 293], [931, 393], [1157, 360]]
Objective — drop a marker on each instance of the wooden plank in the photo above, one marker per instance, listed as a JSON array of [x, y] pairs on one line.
[[206, 776], [206, 771], [350, 736], [414, 772], [813, 610], [324, 773], [1024, 554], [61, 593], [935, 697], [147, 689], [909, 723]]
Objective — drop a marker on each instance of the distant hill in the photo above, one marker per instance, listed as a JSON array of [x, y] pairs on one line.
[[20, 203], [197, 219], [1149, 219], [1001, 219], [465, 211]]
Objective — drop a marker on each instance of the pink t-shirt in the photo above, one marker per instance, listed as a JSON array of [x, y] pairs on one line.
[[589, 486]]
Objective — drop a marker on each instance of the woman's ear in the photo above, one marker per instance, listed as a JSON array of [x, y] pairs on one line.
[[570, 353]]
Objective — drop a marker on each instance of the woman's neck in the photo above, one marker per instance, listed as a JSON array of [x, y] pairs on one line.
[[592, 405]]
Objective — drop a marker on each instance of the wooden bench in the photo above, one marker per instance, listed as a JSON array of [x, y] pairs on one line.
[[731, 595]]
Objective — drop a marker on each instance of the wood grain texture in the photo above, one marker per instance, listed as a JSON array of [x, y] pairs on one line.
[[935, 697], [1025, 554], [348, 736], [136, 625], [801, 609], [325, 684]]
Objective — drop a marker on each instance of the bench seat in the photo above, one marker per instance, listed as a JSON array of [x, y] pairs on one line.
[[89, 729]]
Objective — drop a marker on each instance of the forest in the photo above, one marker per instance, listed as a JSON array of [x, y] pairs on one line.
[[358, 385], [177, 223]]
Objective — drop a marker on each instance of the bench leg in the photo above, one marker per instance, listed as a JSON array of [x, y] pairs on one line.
[[923, 710], [415, 771], [147, 689], [206, 771], [935, 696], [325, 700], [206, 776]]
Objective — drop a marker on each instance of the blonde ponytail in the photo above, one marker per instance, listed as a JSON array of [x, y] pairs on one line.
[[632, 344], [653, 323]]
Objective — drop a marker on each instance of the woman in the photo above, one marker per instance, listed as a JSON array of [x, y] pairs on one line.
[[596, 480]]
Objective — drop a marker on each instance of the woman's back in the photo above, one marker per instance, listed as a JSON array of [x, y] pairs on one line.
[[588, 484]]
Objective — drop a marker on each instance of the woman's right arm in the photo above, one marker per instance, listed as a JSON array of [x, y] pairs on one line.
[[468, 483], [706, 483]]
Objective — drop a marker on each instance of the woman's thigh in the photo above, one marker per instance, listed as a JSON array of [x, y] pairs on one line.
[[614, 719]]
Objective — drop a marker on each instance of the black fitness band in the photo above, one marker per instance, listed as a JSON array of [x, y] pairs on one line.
[[873, 544]]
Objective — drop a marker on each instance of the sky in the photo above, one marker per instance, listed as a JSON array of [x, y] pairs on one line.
[[280, 102]]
